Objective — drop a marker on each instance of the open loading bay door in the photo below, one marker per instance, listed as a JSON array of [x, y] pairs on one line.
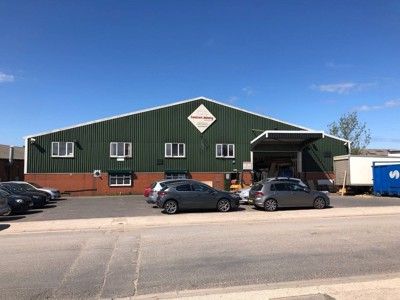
[[279, 152]]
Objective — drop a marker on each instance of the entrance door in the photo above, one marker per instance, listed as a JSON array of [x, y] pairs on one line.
[[274, 164]]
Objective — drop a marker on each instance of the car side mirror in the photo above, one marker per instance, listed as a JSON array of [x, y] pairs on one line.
[[307, 190]]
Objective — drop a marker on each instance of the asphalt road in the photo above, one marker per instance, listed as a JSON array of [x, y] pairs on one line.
[[131, 206], [153, 260]]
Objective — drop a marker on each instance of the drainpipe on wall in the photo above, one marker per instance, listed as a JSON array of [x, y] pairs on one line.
[[10, 161], [11, 155]]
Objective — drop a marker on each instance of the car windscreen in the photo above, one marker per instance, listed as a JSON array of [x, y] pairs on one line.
[[201, 188], [35, 185], [257, 187], [25, 187]]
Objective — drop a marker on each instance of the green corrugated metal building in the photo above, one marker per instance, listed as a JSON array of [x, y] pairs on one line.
[[198, 138]]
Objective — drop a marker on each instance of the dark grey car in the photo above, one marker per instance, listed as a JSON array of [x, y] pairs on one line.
[[195, 195], [273, 194]]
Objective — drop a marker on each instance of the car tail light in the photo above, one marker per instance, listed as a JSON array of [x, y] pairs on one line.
[[162, 193], [258, 194], [147, 191]]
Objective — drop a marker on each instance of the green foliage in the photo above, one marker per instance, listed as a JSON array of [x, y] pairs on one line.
[[350, 128]]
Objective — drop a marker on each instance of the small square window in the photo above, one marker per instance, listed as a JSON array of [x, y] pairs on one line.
[[225, 150], [62, 149], [175, 150], [120, 149], [120, 180]]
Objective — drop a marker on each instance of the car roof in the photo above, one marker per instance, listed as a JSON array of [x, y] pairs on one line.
[[190, 180], [169, 180]]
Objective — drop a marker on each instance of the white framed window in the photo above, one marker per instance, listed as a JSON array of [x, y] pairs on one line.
[[62, 149], [120, 180], [225, 150], [120, 149], [175, 175], [175, 150]]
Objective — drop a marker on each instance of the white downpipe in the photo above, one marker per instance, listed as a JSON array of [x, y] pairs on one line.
[[26, 157]]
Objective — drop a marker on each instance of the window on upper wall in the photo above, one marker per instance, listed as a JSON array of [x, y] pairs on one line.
[[120, 149], [225, 150], [120, 179], [175, 150], [62, 149]]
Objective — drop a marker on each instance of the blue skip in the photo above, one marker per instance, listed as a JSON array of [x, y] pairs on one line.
[[386, 178]]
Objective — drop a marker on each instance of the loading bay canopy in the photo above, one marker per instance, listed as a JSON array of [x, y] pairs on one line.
[[285, 140]]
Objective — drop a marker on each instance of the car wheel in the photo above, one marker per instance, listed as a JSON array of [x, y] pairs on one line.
[[270, 205], [319, 203], [223, 205], [171, 207]]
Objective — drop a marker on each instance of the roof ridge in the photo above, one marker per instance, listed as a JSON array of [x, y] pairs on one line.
[[169, 105]]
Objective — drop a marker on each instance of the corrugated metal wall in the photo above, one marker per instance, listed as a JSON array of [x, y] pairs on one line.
[[148, 131]]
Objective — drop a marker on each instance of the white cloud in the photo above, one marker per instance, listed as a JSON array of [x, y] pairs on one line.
[[387, 104], [248, 91], [342, 88], [6, 77]]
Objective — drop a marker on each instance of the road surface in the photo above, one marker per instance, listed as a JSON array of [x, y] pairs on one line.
[[120, 263]]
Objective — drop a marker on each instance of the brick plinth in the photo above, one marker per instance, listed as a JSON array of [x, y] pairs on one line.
[[84, 184]]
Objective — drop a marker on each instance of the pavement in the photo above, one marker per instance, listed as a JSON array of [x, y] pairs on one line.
[[239, 216], [351, 288]]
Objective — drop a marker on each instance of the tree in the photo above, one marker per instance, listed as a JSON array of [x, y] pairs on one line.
[[350, 128]]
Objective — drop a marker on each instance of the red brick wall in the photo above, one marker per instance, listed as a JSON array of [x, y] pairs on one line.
[[84, 184], [13, 172], [81, 184]]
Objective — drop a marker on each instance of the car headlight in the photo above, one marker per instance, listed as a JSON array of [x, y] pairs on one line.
[[19, 201]]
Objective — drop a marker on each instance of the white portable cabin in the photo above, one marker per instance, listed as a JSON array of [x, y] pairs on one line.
[[358, 168]]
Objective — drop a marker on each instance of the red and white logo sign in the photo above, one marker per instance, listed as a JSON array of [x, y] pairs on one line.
[[201, 118]]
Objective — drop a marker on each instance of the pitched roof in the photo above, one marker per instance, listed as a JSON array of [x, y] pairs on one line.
[[172, 104]]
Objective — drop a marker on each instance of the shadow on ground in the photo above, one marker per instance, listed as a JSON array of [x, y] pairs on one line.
[[11, 218], [31, 212], [292, 208], [206, 211], [50, 206], [4, 226]]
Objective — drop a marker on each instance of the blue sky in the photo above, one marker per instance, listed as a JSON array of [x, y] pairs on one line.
[[305, 62]]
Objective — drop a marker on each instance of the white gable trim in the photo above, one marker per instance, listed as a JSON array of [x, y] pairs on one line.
[[173, 104], [266, 132]]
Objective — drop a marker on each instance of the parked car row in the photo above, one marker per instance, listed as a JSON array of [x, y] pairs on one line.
[[17, 197], [270, 194]]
